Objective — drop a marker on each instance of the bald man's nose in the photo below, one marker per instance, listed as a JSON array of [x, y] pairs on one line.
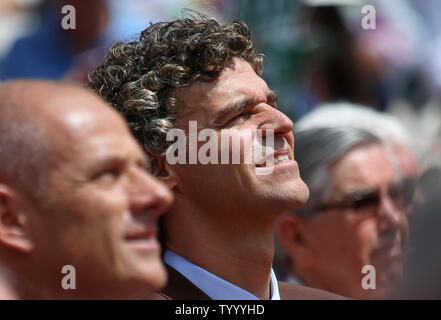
[[148, 194]]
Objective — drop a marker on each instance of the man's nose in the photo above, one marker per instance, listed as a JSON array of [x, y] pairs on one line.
[[276, 121], [148, 194], [391, 217]]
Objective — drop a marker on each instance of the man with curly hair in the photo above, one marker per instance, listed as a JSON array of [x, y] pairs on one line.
[[219, 232]]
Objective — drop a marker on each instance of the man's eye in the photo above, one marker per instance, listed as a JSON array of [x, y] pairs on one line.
[[107, 176], [370, 200], [243, 115]]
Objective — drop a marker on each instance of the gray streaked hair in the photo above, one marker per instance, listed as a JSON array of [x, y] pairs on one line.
[[345, 114]]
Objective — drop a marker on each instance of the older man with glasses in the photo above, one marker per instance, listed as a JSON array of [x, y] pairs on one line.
[[352, 235]]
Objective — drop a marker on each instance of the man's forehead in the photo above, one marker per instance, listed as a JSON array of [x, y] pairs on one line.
[[85, 129], [239, 78], [237, 81], [365, 167], [406, 160], [101, 147]]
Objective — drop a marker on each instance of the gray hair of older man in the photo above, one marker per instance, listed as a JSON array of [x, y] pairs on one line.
[[344, 114], [316, 150]]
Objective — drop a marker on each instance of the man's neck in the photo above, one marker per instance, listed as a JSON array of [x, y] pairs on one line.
[[240, 251]]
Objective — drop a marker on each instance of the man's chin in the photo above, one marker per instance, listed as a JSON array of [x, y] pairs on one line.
[[150, 275], [157, 277], [298, 195], [388, 275], [302, 194], [288, 197]]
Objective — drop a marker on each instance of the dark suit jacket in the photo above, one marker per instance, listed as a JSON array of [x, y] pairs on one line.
[[180, 288]]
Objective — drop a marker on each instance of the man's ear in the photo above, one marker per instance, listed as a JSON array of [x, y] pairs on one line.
[[14, 233], [291, 234], [162, 170]]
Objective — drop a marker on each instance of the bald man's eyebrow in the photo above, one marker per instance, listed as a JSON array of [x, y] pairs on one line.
[[106, 163], [237, 106]]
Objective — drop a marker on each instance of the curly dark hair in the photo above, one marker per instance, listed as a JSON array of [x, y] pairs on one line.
[[137, 77]]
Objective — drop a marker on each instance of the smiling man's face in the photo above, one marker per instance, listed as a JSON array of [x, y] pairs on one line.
[[342, 240], [102, 206], [238, 102]]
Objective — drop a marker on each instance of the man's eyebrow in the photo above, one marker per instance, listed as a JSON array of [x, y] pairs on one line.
[[239, 105], [357, 194], [106, 162], [118, 160], [232, 108]]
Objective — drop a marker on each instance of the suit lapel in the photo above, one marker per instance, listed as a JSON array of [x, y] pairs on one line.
[[180, 288]]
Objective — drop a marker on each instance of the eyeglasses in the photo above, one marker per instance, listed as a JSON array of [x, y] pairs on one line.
[[401, 195]]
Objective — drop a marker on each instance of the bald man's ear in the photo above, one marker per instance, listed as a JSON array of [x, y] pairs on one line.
[[14, 233], [164, 172], [291, 235]]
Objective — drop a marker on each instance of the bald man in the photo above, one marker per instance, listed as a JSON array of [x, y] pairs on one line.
[[78, 210]]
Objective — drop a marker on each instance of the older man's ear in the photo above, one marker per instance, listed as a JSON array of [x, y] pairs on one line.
[[292, 235], [14, 231]]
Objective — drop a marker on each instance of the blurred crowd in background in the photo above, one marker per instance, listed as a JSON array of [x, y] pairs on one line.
[[316, 53], [316, 50]]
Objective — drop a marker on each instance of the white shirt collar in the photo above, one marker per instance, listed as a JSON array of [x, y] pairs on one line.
[[213, 286]]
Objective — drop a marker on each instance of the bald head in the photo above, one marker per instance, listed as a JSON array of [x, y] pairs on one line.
[[74, 191], [38, 118]]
